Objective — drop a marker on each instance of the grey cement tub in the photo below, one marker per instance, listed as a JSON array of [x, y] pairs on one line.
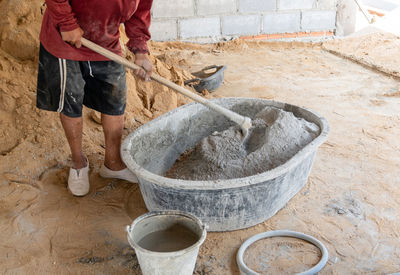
[[223, 205]]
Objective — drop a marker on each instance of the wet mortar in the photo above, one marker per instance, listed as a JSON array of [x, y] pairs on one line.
[[275, 136], [175, 238]]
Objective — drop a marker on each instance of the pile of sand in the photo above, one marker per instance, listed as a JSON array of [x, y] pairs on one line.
[[19, 28], [275, 137]]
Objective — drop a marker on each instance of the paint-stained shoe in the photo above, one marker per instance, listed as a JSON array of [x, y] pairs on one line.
[[124, 174], [78, 181]]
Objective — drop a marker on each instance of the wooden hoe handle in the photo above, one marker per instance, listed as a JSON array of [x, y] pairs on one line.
[[244, 122]]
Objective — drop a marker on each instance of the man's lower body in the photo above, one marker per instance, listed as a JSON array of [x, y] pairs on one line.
[[64, 86]]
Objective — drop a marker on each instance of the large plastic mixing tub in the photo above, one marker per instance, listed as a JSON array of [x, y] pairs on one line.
[[151, 150]]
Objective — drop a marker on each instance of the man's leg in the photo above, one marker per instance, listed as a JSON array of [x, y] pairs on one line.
[[113, 166], [105, 92], [73, 131], [78, 179], [112, 127]]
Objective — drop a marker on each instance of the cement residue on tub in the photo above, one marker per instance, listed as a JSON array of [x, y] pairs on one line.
[[275, 137]]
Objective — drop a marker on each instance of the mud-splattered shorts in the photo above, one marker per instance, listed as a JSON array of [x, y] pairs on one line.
[[64, 85]]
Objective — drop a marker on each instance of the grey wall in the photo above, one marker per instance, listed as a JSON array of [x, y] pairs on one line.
[[215, 19]]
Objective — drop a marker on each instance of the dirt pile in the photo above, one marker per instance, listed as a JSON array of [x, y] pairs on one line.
[[19, 27]]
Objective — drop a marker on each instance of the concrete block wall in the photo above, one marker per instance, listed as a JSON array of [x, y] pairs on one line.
[[193, 20]]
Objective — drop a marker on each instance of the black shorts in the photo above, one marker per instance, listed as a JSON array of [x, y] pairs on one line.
[[64, 85]]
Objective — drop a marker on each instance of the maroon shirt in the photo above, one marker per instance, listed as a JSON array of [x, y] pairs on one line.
[[100, 21]]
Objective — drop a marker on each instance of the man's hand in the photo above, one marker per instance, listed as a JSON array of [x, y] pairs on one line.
[[142, 60], [73, 37]]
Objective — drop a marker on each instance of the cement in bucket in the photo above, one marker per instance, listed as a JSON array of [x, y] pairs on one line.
[[166, 242]]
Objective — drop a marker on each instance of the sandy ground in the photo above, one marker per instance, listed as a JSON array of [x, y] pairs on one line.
[[351, 201]]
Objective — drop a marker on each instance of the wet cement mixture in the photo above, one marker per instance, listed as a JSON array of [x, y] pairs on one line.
[[275, 136], [174, 238], [351, 200]]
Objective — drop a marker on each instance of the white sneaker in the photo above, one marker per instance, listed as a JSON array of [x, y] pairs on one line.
[[124, 174], [78, 181]]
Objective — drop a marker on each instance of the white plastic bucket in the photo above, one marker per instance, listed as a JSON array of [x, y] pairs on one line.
[[158, 256]]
